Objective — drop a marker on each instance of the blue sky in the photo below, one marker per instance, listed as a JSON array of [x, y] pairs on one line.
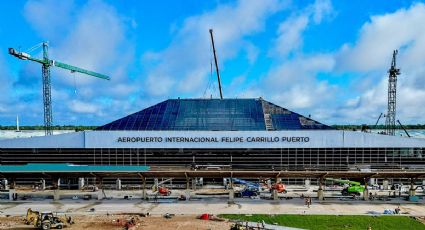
[[324, 58]]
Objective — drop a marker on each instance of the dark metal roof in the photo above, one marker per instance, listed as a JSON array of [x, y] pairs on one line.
[[214, 115]]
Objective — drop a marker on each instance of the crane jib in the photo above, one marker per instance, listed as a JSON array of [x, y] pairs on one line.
[[78, 70]]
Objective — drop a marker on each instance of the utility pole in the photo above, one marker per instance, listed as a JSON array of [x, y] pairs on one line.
[[216, 64], [46, 63], [392, 93]]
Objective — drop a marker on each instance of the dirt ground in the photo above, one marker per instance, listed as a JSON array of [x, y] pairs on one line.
[[92, 222]]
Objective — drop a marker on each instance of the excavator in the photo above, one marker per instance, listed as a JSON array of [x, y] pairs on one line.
[[354, 187], [46, 220]]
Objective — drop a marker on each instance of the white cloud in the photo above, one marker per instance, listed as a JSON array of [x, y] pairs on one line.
[[184, 64], [93, 36], [372, 53], [83, 107], [289, 34], [294, 83], [321, 9], [49, 18], [403, 29]]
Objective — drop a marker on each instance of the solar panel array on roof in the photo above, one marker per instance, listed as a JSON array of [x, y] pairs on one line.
[[213, 114]]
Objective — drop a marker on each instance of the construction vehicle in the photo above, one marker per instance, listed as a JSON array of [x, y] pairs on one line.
[[251, 189], [248, 185], [280, 188], [31, 216], [164, 191], [258, 187], [46, 220], [353, 188]]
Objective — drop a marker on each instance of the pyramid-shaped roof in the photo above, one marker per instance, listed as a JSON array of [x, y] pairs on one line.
[[214, 115]]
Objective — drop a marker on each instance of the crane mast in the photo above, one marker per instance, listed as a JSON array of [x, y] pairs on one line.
[[392, 93], [47, 92], [46, 63]]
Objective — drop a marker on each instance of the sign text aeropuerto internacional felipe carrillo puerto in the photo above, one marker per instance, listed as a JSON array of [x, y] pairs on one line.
[[158, 139]]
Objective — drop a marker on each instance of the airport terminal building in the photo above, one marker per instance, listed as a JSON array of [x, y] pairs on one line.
[[220, 134]]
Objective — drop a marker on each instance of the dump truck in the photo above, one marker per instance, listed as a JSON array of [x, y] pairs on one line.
[[353, 188]]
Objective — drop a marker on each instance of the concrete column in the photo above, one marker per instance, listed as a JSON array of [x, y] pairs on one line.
[[201, 181], [269, 183], [412, 191], [187, 194], [231, 196], [56, 195], [155, 183], [11, 192], [194, 184], [5, 184], [372, 181], [385, 184], [100, 191], [320, 193], [366, 191], [100, 194], [366, 194], [307, 183], [81, 183], [118, 184], [275, 194], [144, 195], [43, 184], [13, 184]]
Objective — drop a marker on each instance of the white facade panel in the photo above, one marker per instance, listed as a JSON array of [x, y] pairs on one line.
[[214, 139], [372, 140], [66, 140]]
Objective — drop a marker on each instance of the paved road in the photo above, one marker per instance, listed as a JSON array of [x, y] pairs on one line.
[[214, 206]]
